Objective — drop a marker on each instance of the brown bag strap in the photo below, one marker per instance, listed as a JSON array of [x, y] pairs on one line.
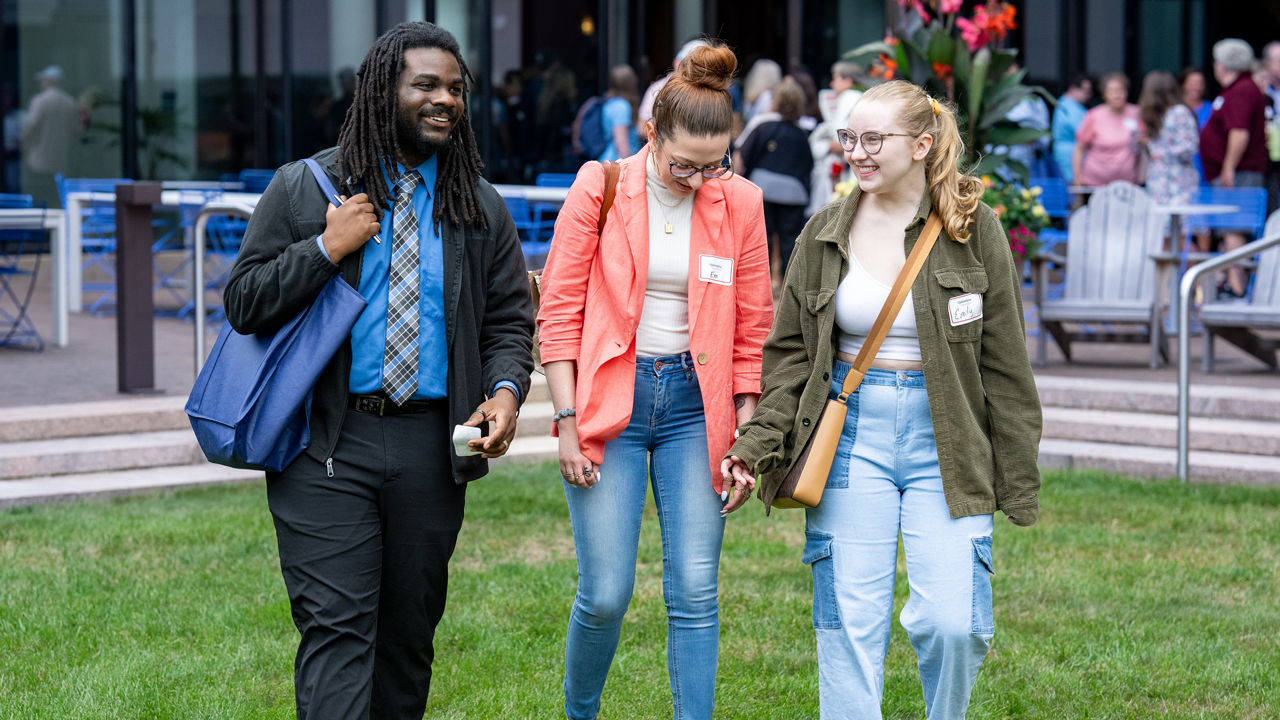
[[897, 296], [611, 172]]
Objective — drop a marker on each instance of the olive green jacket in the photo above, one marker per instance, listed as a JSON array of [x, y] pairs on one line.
[[982, 395]]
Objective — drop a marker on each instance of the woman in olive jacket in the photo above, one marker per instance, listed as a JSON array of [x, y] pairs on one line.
[[944, 429]]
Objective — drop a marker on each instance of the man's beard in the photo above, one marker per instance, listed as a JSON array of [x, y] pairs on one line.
[[408, 133]]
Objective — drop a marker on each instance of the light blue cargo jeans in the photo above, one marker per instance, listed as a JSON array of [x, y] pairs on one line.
[[666, 444], [886, 480]]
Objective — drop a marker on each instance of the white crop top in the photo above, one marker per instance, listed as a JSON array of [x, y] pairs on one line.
[[858, 302]]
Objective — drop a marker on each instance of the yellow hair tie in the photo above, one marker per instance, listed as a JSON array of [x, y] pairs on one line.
[[937, 109]]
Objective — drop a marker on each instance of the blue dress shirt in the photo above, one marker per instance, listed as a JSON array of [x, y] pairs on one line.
[[369, 336]]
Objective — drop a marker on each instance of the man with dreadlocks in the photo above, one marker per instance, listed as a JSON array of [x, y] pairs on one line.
[[367, 517]]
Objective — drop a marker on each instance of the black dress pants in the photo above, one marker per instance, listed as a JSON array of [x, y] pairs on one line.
[[787, 221], [365, 557]]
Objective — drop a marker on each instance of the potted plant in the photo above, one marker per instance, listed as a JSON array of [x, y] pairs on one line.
[[1021, 215], [963, 59]]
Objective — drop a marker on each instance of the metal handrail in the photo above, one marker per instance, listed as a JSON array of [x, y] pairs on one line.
[[210, 209], [1184, 332]]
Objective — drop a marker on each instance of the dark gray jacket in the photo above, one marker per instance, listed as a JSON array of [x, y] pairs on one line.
[[488, 312]]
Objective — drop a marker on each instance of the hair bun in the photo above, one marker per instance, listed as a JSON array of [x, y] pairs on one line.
[[711, 66]]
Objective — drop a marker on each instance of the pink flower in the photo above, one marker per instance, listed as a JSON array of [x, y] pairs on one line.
[[950, 7], [974, 35], [924, 16]]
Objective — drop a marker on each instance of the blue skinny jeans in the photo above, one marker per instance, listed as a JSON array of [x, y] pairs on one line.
[[665, 444]]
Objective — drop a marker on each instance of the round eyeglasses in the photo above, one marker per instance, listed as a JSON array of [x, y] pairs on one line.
[[710, 172], [871, 141]]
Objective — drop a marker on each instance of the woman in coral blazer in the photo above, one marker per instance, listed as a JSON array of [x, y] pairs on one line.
[[651, 334]]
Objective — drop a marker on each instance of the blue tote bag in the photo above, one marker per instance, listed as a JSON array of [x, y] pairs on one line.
[[251, 404]]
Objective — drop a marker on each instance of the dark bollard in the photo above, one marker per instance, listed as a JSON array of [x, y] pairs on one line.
[[135, 325]]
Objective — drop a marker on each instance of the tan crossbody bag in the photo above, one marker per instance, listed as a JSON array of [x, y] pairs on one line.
[[803, 486]]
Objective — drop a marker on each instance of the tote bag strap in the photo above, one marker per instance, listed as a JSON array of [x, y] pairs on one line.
[[612, 171], [330, 193], [897, 296]]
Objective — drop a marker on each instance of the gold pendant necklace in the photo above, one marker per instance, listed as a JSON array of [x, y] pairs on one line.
[[666, 223]]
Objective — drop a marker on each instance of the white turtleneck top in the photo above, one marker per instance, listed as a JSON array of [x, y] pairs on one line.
[[664, 321]]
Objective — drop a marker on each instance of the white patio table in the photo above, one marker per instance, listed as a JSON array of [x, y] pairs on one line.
[[169, 200]]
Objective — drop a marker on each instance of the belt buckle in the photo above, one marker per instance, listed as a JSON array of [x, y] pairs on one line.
[[372, 405]]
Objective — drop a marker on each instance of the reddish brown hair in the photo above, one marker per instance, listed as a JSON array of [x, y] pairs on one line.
[[696, 98]]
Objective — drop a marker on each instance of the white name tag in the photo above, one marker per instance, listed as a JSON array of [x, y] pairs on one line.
[[715, 269], [965, 309], [1130, 124]]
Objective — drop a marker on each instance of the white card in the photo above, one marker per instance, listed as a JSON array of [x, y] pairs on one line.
[[965, 309], [461, 436], [1130, 124], [715, 269]]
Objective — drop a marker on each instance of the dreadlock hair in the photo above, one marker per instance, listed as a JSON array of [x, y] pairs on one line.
[[368, 134]]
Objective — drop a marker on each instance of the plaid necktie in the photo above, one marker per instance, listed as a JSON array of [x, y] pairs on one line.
[[400, 358]]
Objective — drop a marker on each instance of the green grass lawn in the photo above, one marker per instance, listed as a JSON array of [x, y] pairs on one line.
[[1128, 600]]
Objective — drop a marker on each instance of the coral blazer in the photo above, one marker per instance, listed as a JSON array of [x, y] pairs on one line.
[[594, 289]]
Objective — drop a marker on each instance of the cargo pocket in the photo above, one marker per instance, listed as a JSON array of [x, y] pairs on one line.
[[983, 616], [957, 282], [838, 477], [817, 554]]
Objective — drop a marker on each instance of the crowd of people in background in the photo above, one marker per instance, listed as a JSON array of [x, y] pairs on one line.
[[1172, 140], [1175, 139], [784, 135]]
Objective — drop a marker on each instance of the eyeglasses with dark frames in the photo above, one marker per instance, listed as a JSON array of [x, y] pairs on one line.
[[871, 141], [710, 172]]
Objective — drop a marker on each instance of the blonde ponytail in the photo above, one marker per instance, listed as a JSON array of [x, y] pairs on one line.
[[955, 195]]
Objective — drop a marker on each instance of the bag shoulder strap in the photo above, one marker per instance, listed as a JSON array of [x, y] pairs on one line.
[[897, 296], [330, 192], [612, 170]]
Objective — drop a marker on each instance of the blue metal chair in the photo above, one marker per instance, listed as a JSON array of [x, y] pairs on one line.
[[1251, 201], [98, 239], [16, 328], [560, 180], [556, 180], [531, 229], [223, 237], [1053, 196], [1252, 216], [256, 181], [97, 233]]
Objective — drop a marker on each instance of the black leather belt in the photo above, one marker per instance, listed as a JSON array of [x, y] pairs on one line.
[[382, 405]]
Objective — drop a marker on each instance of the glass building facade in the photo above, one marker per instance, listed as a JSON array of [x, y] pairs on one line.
[[195, 89]]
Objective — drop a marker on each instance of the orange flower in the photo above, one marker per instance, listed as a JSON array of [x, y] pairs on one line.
[[891, 41], [942, 70], [1000, 24], [890, 66], [999, 209]]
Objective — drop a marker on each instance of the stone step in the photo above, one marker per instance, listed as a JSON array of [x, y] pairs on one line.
[[1220, 401], [99, 453], [1157, 462], [535, 419], [538, 391], [79, 486], [141, 415], [109, 417], [61, 488], [1250, 437]]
